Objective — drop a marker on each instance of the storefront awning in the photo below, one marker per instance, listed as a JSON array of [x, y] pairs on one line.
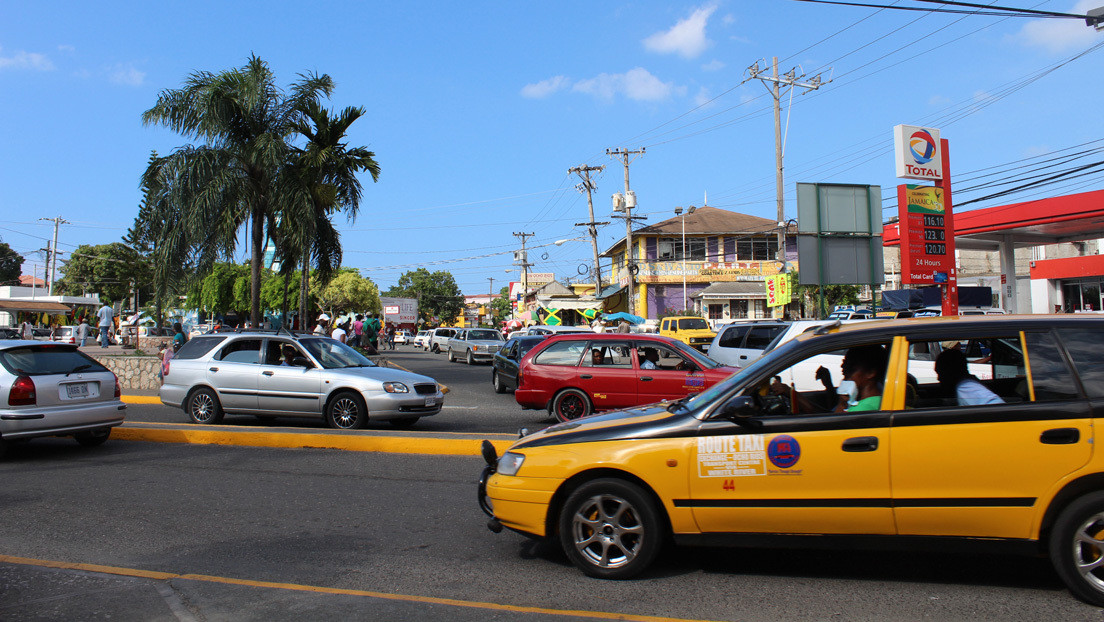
[[32, 306], [610, 290], [739, 290]]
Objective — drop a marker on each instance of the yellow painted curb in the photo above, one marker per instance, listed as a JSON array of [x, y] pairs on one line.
[[283, 440], [140, 399]]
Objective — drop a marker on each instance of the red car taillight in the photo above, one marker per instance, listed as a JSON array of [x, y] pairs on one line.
[[118, 389], [22, 392]]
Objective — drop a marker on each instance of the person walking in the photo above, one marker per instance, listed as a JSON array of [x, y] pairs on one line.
[[83, 331], [26, 330], [107, 320], [178, 336], [339, 333], [320, 329]]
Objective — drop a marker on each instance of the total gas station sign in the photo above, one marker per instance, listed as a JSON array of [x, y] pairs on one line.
[[917, 152], [927, 248]]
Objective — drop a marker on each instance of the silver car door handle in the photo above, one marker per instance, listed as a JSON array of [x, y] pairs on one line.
[[267, 373], [213, 369]]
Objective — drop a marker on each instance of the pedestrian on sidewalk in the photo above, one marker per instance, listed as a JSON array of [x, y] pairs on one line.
[[320, 329], [26, 330], [107, 320], [179, 338], [83, 331]]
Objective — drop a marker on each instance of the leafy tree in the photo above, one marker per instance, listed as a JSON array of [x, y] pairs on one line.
[[325, 170], [110, 270], [347, 292], [215, 293], [11, 265], [833, 295], [437, 293], [228, 181]]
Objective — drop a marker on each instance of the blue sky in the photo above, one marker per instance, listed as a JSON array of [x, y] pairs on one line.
[[476, 110]]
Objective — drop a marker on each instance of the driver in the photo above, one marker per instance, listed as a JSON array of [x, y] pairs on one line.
[[289, 355], [864, 369]]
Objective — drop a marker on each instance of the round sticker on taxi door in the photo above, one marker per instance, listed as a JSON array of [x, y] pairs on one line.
[[783, 451]]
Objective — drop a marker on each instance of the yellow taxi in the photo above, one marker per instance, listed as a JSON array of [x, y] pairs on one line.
[[961, 430]]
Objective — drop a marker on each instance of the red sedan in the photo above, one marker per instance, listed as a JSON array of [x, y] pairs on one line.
[[574, 375]]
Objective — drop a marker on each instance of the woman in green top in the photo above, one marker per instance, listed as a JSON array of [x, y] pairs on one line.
[[864, 369]]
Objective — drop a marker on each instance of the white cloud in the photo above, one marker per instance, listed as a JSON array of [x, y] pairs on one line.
[[729, 19], [1060, 35], [67, 48], [686, 38], [703, 97], [544, 88], [938, 100], [713, 65], [26, 60], [636, 84], [126, 74]]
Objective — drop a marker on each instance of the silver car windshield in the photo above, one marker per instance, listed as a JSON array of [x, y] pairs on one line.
[[484, 335], [334, 354]]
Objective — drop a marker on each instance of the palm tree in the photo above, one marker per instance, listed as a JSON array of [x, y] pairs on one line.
[[325, 174], [229, 180]]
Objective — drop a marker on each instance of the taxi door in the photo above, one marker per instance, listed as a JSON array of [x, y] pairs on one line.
[[983, 470], [819, 473], [606, 373]]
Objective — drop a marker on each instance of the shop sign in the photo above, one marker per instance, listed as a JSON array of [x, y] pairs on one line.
[[778, 290], [705, 272], [399, 310], [916, 152]]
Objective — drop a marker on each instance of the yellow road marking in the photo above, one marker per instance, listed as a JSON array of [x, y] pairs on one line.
[[381, 444], [165, 576], [140, 399]]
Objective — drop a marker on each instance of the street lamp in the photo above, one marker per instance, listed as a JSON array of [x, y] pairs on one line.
[[678, 212]]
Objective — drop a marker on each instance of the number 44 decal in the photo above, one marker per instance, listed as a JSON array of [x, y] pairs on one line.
[[729, 485]]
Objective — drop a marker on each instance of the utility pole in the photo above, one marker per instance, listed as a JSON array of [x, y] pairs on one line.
[[522, 258], [628, 202], [51, 261], [775, 88], [588, 186]]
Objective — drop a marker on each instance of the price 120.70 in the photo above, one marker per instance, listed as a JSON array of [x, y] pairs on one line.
[[932, 248]]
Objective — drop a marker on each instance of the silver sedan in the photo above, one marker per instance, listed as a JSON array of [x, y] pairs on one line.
[[289, 375]]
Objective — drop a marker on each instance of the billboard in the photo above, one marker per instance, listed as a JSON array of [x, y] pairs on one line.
[[916, 151], [399, 310], [839, 230]]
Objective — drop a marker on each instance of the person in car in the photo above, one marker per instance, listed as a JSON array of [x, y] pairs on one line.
[[289, 355], [596, 357], [651, 357], [954, 375], [864, 369]]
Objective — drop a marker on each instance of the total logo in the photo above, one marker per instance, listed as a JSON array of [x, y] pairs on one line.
[[922, 146]]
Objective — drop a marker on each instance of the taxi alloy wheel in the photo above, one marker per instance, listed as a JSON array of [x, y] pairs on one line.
[[610, 529], [571, 404], [497, 382], [347, 411], [1077, 548], [451, 356], [204, 407]]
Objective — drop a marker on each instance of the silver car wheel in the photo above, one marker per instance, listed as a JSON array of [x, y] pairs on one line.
[[606, 531], [345, 413], [204, 407]]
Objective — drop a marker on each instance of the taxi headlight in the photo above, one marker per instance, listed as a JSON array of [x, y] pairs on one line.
[[395, 387], [509, 463]]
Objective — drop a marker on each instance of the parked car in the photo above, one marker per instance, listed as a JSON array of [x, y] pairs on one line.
[[693, 331], [199, 329], [66, 334], [474, 344], [438, 339], [55, 389], [504, 375], [921, 464], [851, 314], [9, 333], [421, 339], [403, 337], [741, 344], [575, 375], [291, 375]]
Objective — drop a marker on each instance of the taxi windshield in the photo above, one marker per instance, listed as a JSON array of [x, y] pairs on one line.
[[715, 392], [335, 355]]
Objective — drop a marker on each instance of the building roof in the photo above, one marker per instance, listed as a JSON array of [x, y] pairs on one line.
[[706, 221], [33, 306], [26, 280]]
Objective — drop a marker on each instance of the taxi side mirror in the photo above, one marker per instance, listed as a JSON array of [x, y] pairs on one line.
[[740, 410]]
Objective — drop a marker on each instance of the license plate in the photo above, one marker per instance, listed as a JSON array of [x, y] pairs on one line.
[[79, 389], [431, 401]]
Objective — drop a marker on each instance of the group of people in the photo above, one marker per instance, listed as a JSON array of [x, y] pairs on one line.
[[367, 334]]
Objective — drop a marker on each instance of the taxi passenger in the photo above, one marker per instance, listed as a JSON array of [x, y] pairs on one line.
[[954, 375]]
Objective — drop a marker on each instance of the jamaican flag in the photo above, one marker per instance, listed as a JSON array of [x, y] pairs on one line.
[[589, 314], [553, 318]]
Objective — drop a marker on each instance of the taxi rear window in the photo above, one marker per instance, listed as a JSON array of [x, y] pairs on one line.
[[44, 361], [198, 346]]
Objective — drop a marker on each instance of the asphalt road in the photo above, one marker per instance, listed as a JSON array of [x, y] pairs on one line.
[[470, 406], [244, 533]]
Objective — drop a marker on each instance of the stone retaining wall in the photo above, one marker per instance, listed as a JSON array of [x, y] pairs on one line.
[[134, 372]]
